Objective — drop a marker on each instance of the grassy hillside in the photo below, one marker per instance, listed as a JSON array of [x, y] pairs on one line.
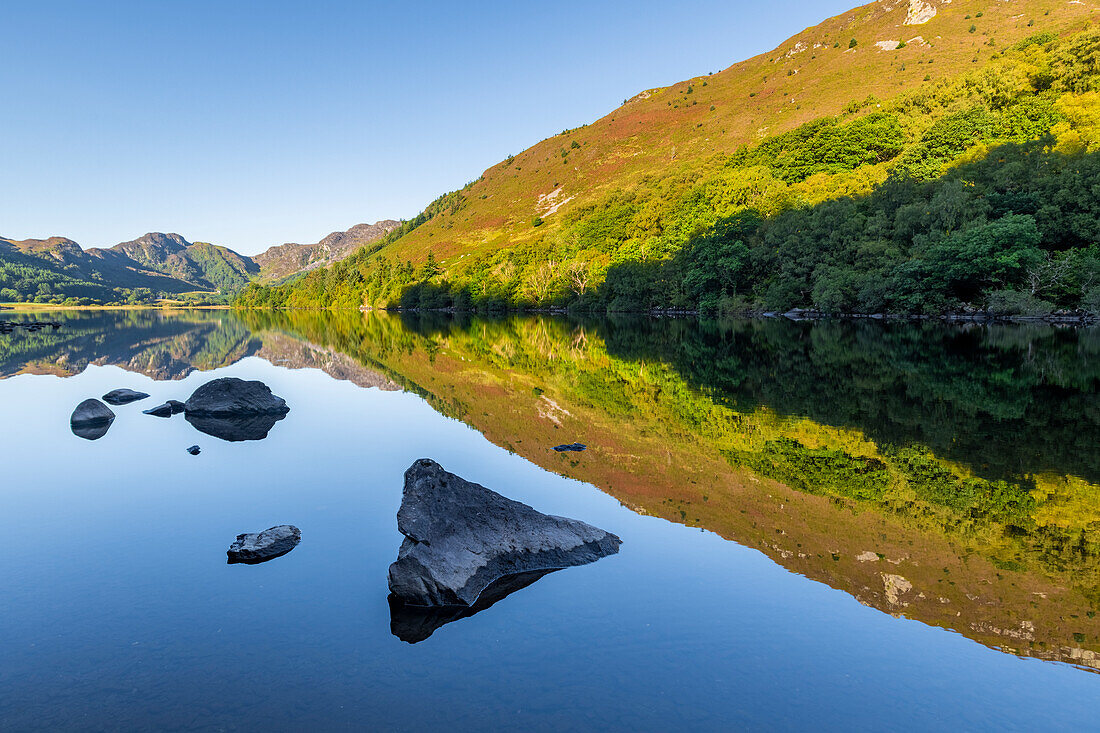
[[863, 103]]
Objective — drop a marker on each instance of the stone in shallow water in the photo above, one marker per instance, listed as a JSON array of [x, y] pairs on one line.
[[168, 409], [91, 419], [123, 396], [576, 447], [461, 537], [252, 549], [232, 396], [234, 410], [194, 450]]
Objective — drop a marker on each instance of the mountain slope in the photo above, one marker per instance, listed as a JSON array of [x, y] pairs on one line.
[[886, 89], [205, 266], [805, 78], [45, 268], [284, 260]]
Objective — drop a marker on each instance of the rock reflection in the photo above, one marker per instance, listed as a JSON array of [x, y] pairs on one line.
[[414, 624], [91, 431], [234, 428]]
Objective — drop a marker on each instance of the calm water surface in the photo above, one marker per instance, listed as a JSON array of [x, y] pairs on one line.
[[828, 526]]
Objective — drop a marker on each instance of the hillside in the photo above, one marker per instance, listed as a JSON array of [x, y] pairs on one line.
[[284, 260], [888, 92]]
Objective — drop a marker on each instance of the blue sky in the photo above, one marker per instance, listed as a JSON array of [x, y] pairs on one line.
[[255, 123]]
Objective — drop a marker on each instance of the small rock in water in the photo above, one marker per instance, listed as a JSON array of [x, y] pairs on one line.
[[164, 410], [91, 411], [578, 447], [194, 450], [168, 409], [91, 419], [461, 537], [123, 396], [263, 546]]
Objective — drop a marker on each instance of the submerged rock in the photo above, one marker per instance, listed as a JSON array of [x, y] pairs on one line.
[[123, 396], [263, 546], [194, 450], [232, 396], [576, 447], [461, 537], [91, 419]]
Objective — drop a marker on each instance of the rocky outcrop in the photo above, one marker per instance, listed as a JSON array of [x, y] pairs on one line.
[[574, 447], [258, 547], [287, 259], [123, 396], [461, 537], [920, 12]]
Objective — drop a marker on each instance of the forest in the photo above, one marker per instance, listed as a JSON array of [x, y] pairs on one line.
[[971, 194]]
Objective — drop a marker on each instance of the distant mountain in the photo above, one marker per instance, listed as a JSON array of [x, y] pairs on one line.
[[284, 260], [157, 265], [46, 269], [205, 266]]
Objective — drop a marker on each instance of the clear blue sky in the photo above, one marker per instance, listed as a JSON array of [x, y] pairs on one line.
[[255, 123]]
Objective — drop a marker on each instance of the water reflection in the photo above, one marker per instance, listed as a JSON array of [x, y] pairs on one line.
[[948, 474], [414, 624], [234, 428]]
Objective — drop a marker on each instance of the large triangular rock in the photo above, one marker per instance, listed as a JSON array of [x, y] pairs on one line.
[[460, 537]]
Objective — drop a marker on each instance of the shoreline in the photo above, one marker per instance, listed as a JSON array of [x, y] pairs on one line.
[[796, 314]]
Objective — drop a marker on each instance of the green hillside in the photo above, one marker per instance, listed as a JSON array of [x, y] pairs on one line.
[[890, 159]]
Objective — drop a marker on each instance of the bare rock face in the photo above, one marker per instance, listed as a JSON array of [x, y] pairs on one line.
[[258, 547], [920, 12], [123, 396], [461, 537]]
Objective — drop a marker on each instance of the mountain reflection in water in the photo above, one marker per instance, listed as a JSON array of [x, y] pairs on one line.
[[944, 473]]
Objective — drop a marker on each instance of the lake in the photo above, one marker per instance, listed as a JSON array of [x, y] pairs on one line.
[[843, 526]]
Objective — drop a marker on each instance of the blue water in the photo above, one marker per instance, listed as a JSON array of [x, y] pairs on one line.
[[118, 610]]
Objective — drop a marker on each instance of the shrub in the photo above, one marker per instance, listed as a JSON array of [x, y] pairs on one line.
[[1017, 303]]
